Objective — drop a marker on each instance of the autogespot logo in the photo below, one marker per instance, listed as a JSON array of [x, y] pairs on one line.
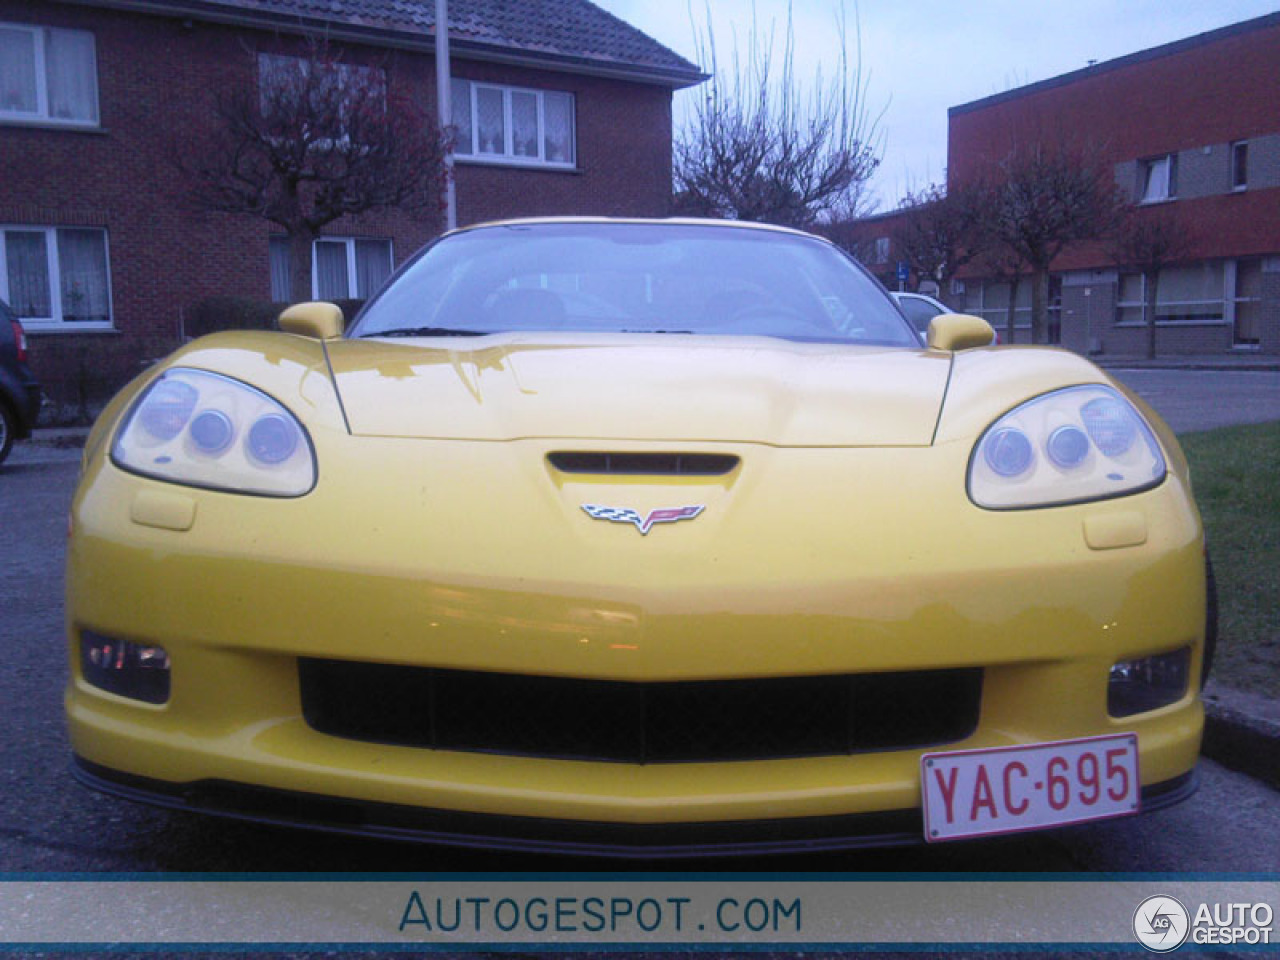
[[1161, 924]]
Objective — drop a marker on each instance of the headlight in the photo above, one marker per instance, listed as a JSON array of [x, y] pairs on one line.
[[1148, 683], [206, 430], [1069, 446]]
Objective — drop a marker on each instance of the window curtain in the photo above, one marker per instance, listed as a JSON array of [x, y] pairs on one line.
[[1192, 292], [460, 97], [331, 278], [524, 124], [1157, 185], [82, 259], [373, 265], [491, 121], [72, 73], [278, 256], [27, 261], [17, 71], [557, 122]]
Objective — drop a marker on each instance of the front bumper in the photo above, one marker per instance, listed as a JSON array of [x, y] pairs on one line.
[[382, 821], [478, 557]]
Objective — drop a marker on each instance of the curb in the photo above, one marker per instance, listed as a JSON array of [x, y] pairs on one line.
[[1197, 363], [1242, 741], [58, 439]]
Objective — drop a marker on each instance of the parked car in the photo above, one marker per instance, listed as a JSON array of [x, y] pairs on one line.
[[920, 308], [20, 395], [607, 537]]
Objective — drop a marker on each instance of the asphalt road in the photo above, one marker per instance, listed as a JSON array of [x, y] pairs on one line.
[[1191, 400], [49, 823]]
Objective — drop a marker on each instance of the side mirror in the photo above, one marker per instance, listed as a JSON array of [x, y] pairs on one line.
[[959, 331], [317, 319]]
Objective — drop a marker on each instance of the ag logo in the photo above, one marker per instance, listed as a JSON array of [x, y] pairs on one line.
[[1161, 924]]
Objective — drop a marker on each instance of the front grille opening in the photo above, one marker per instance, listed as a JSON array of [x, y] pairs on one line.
[[643, 464], [605, 720]]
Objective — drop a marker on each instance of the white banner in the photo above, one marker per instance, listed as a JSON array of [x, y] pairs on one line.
[[709, 911]]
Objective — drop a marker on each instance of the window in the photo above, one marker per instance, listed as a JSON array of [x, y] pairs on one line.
[[512, 125], [54, 276], [1129, 298], [1158, 179], [1190, 294], [881, 250], [1239, 165], [48, 76], [990, 300], [342, 268], [1248, 303], [284, 82]]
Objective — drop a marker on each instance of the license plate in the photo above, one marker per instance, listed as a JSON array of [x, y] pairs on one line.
[[974, 793]]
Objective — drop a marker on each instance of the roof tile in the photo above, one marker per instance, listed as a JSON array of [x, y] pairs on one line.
[[575, 29]]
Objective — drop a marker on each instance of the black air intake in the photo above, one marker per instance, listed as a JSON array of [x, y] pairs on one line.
[[607, 720], [644, 464]]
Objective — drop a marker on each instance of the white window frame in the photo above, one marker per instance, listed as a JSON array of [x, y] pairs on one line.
[[55, 323], [881, 252], [508, 156], [42, 116], [350, 243], [1231, 155]]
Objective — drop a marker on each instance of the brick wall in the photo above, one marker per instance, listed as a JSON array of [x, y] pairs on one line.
[[1192, 99], [623, 154], [158, 80]]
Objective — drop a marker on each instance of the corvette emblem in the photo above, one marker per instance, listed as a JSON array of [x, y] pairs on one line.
[[643, 524]]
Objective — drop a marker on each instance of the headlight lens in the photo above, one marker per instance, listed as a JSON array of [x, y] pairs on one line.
[[1069, 446], [206, 430]]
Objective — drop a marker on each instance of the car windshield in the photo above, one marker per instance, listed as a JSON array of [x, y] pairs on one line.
[[624, 277]]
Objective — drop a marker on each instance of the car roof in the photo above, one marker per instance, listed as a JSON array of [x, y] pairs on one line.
[[652, 221]]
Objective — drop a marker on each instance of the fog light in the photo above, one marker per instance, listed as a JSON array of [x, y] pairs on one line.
[[1148, 683], [123, 668]]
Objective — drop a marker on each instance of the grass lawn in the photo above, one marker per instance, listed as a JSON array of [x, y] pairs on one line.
[[1235, 473]]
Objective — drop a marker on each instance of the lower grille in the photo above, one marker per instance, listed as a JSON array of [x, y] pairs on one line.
[[754, 719]]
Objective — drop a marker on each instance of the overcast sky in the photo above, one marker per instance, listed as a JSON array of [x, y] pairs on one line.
[[923, 56]]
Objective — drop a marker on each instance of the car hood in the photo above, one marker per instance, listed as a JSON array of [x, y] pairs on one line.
[[640, 387]]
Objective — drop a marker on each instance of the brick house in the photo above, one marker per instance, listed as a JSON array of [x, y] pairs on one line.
[[560, 108], [871, 240], [1192, 132]]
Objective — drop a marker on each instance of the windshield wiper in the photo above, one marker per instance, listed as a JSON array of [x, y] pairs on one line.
[[427, 332], [656, 331]]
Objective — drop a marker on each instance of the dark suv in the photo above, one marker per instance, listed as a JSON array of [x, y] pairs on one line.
[[19, 391]]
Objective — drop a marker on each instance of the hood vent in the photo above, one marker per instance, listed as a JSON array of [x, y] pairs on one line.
[[645, 464]]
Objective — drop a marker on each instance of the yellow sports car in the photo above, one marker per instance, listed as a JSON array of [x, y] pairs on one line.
[[635, 538]]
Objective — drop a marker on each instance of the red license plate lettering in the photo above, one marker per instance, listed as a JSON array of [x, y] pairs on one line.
[[969, 793]]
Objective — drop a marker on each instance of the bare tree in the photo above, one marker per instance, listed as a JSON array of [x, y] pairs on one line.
[[938, 232], [1149, 241], [1045, 197], [317, 140], [1004, 265], [755, 148]]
